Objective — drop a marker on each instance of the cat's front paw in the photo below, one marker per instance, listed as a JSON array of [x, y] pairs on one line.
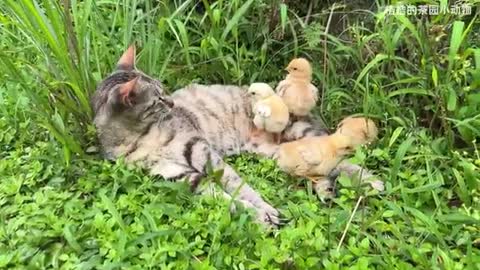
[[267, 215]]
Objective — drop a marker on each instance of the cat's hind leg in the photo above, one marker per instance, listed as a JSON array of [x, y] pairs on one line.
[[200, 157], [354, 170], [194, 180], [211, 189]]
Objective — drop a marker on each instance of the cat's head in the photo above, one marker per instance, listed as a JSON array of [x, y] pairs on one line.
[[128, 101]]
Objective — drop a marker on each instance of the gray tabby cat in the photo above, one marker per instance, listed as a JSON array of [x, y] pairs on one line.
[[179, 136]]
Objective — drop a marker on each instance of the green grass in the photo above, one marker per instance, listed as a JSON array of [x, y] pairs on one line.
[[418, 78]]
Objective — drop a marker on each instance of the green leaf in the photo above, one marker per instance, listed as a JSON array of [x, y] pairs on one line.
[[378, 58], [113, 211], [397, 162], [476, 55], [67, 233], [217, 15], [452, 99], [428, 221], [395, 135], [184, 40], [236, 18], [471, 174], [434, 76], [410, 26], [458, 218], [463, 191], [455, 42], [142, 239], [345, 181], [416, 91], [283, 15], [388, 213], [5, 259], [424, 188]]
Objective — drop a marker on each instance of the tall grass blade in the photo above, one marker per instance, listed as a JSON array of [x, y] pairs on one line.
[[234, 21], [396, 133], [184, 40], [455, 42], [283, 16], [397, 162], [378, 58]]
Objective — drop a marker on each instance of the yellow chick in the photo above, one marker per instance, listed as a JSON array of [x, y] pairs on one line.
[[297, 91], [270, 112], [313, 157], [361, 130]]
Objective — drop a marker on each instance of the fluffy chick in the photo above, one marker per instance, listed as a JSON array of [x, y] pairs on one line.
[[297, 91], [270, 112], [313, 157], [361, 130]]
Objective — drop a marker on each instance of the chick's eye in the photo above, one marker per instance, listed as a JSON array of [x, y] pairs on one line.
[[294, 68]]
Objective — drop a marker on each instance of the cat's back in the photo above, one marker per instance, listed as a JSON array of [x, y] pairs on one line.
[[220, 112]]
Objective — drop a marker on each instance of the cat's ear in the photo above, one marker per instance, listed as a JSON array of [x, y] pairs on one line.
[[127, 92], [127, 61]]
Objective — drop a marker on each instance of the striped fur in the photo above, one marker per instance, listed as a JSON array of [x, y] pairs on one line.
[[205, 124]]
